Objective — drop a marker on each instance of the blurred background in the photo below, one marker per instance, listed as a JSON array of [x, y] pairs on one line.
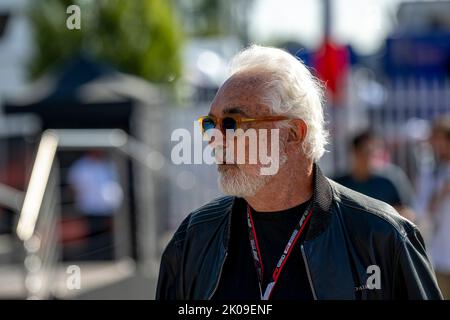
[[86, 117]]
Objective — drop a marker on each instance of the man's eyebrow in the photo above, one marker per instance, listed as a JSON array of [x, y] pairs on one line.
[[234, 110]]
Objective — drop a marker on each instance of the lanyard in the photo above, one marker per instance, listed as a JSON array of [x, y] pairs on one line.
[[284, 256]]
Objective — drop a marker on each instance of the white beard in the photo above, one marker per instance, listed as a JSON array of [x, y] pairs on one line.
[[234, 181]]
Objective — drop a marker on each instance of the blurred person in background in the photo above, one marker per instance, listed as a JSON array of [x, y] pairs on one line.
[[433, 202], [371, 175], [98, 195], [295, 234]]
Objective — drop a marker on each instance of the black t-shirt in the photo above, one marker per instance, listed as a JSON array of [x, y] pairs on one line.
[[239, 278]]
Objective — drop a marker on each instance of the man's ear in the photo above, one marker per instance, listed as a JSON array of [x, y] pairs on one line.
[[297, 131]]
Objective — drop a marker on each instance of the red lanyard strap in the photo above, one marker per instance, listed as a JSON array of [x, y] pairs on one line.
[[256, 252]]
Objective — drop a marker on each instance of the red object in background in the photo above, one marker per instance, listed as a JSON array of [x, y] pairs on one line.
[[331, 62], [73, 229]]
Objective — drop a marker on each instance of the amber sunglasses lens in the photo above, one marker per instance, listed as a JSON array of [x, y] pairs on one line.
[[229, 124], [208, 123]]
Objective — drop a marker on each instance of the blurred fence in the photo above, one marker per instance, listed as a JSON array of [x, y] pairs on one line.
[[400, 111], [405, 117]]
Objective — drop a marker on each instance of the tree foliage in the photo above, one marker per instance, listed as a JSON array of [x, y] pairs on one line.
[[140, 37]]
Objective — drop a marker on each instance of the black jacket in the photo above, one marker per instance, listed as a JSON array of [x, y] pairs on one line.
[[356, 247]]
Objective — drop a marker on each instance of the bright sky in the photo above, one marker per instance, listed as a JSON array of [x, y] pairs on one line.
[[362, 23]]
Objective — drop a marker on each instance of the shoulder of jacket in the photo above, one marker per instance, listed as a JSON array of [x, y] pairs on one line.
[[215, 209], [209, 212], [375, 213]]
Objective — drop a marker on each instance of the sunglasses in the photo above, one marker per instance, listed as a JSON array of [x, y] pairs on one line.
[[231, 122]]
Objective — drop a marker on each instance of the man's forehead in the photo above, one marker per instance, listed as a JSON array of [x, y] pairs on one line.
[[241, 94], [244, 81]]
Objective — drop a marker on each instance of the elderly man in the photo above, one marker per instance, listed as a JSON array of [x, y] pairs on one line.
[[294, 234]]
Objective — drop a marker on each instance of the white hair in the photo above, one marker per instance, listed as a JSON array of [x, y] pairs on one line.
[[292, 90]]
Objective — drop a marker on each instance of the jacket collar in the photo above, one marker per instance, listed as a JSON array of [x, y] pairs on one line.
[[322, 201]]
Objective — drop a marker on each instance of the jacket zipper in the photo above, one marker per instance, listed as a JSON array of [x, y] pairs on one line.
[[218, 278], [224, 258], [308, 273]]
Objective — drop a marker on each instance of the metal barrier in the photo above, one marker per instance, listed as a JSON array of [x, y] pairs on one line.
[[37, 225]]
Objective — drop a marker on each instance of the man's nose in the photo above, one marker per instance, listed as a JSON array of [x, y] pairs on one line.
[[221, 138]]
